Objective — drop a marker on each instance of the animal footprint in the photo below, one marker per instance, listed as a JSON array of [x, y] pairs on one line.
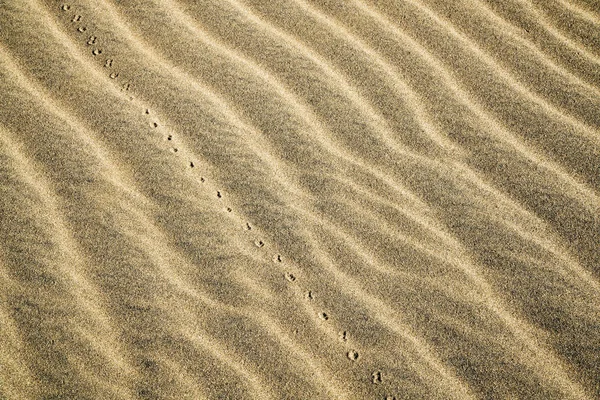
[[248, 227], [309, 295], [290, 277], [126, 86], [277, 258], [92, 40], [352, 355], [76, 18], [229, 209], [147, 111], [66, 7], [344, 336], [82, 29], [219, 195], [191, 164], [113, 75], [376, 377], [324, 316], [109, 63], [96, 52], [259, 243]]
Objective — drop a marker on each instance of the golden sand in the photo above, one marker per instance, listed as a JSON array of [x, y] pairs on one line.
[[300, 199]]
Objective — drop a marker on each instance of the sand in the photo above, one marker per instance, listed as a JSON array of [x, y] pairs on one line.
[[300, 199]]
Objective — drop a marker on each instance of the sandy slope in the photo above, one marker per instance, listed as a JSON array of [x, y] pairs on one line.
[[299, 199]]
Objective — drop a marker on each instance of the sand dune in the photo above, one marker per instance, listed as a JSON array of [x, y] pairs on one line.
[[300, 199]]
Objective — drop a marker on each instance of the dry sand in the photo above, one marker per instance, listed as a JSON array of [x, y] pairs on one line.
[[300, 199]]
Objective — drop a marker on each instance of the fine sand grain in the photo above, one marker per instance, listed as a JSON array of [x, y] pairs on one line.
[[300, 199]]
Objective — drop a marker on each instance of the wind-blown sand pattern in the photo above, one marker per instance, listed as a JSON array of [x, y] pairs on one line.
[[300, 199]]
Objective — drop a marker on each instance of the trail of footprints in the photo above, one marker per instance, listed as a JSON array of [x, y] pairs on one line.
[[93, 41]]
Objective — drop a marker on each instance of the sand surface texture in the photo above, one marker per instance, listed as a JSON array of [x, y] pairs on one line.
[[300, 199]]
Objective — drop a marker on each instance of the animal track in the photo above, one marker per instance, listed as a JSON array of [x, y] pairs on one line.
[[290, 277], [376, 377], [277, 258], [352, 355], [344, 336]]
